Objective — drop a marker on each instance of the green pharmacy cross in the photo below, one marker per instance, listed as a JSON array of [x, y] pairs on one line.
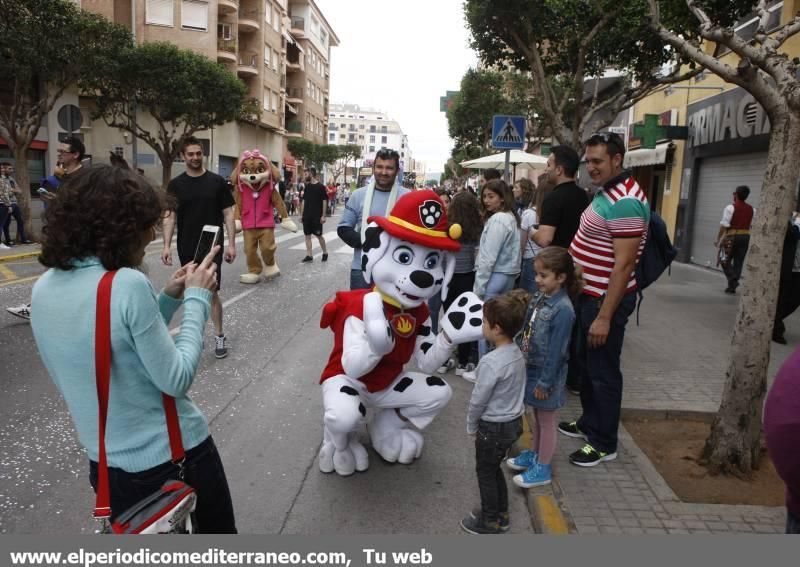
[[651, 131]]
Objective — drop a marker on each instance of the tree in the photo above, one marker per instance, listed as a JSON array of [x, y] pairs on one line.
[[563, 44], [183, 91], [349, 152], [302, 149], [45, 47], [766, 72], [484, 93]]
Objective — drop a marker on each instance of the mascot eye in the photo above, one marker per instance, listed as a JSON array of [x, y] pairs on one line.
[[261, 169], [432, 261], [403, 255], [245, 170]]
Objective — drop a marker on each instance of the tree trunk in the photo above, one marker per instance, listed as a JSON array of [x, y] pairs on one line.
[[20, 152], [166, 171], [734, 444]]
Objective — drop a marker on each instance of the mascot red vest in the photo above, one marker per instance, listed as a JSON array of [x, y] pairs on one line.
[[408, 258]]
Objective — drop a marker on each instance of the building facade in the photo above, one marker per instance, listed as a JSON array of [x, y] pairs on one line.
[[251, 38]]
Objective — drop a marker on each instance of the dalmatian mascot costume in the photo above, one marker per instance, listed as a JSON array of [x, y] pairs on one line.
[[256, 195], [408, 258]]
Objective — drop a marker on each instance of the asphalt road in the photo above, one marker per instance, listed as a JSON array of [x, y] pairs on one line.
[[264, 407]]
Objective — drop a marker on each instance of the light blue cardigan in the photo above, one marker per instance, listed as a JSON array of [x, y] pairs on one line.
[[145, 361], [499, 250]]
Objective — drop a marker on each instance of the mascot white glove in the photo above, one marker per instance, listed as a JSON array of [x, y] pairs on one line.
[[463, 322], [379, 333]]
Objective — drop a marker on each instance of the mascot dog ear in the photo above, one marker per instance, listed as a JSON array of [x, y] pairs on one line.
[[449, 270], [375, 245]]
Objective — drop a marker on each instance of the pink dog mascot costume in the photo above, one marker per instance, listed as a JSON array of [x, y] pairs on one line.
[[256, 195], [408, 257]]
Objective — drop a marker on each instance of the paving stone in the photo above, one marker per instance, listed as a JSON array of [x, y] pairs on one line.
[[673, 524], [651, 523], [718, 526], [655, 531], [589, 530], [677, 531], [645, 514], [610, 530], [741, 527], [606, 522], [695, 525], [628, 522], [633, 531]]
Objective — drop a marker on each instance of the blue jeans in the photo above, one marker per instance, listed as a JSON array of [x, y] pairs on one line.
[[357, 280], [601, 376], [498, 284], [527, 277], [792, 523], [203, 472]]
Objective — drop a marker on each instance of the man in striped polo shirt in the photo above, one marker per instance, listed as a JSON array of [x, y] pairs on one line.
[[609, 241]]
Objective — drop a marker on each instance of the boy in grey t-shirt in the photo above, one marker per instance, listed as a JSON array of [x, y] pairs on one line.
[[495, 409]]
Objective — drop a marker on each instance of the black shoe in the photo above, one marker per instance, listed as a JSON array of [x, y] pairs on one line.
[[477, 527], [588, 456], [307, 259], [503, 521], [730, 290], [570, 429], [576, 390], [325, 257], [780, 339], [27, 242]]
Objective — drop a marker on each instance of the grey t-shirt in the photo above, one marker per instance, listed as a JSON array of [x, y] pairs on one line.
[[500, 388]]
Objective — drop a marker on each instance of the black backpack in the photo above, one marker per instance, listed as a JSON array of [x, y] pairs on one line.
[[656, 257]]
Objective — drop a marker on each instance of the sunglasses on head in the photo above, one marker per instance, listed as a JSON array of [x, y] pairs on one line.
[[385, 153], [605, 138]]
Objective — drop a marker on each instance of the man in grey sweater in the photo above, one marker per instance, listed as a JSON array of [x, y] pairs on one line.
[[495, 409]]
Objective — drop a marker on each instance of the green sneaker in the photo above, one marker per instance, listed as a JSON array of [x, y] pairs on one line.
[[588, 456], [570, 429]]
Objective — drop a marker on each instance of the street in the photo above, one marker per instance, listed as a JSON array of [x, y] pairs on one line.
[[264, 408]]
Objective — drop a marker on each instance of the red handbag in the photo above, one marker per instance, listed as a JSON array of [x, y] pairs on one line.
[[169, 509]]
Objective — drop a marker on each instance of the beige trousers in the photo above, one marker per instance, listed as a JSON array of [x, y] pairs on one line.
[[255, 239]]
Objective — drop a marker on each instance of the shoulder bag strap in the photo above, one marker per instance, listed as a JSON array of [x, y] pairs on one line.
[[102, 362]]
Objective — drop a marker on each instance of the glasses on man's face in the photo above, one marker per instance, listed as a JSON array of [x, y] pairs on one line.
[[60, 151]]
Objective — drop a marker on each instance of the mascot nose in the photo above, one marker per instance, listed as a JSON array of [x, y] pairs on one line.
[[421, 279], [252, 178]]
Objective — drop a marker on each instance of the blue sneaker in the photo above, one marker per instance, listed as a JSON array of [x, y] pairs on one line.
[[537, 475], [523, 461]]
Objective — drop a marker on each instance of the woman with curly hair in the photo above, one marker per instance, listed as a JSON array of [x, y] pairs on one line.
[[101, 220]]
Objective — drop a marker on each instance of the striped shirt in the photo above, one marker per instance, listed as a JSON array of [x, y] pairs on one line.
[[620, 210]]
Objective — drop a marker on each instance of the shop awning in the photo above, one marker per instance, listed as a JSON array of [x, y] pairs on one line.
[[35, 144], [643, 157], [288, 160]]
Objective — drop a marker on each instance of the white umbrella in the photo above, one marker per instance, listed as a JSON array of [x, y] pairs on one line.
[[515, 158]]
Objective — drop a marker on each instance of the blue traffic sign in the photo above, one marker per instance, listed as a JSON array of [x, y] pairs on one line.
[[508, 132]]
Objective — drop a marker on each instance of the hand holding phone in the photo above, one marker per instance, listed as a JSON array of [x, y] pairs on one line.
[[42, 191], [203, 275]]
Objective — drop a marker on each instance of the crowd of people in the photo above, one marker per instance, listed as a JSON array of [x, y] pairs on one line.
[[554, 269]]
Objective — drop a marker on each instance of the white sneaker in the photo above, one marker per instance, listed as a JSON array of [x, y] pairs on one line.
[[23, 311], [447, 366], [469, 367], [4, 247], [470, 376]]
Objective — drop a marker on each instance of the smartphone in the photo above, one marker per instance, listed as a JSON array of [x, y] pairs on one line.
[[42, 191], [208, 239]]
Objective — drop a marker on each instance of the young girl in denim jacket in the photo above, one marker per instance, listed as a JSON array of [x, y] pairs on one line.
[[544, 341]]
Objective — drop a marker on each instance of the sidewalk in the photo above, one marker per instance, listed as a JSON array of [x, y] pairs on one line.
[[674, 361]]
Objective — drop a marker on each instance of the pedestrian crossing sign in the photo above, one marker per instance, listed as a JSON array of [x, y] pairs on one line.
[[508, 132]]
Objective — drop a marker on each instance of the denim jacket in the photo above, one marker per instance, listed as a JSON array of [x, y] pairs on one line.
[[548, 348], [499, 250]]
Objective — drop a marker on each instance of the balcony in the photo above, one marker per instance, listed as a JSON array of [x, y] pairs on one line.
[[294, 95], [248, 21], [298, 26], [228, 6], [226, 50], [248, 64], [294, 128]]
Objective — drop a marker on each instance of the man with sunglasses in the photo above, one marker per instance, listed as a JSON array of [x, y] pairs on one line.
[[375, 199], [608, 244]]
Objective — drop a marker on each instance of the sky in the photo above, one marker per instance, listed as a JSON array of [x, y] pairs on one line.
[[400, 57]]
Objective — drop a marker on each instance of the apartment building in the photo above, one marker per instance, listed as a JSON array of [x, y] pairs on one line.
[[370, 129], [249, 37], [308, 71]]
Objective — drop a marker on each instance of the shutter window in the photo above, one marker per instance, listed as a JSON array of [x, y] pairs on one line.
[[194, 15], [159, 12]]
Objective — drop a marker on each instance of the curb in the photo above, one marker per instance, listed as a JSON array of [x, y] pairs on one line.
[[548, 516], [12, 257]]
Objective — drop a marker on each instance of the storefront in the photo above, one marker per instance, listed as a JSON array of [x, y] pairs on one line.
[[727, 147]]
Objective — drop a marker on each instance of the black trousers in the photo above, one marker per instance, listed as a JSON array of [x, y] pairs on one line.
[[491, 446], [734, 269], [788, 301], [16, 212], [203, 471]]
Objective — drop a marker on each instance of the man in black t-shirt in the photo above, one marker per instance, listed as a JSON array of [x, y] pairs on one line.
[[202, 198], [315, 204], [563, 206]]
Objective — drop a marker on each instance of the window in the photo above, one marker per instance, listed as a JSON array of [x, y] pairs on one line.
[[383, 129], [274, 102], [268, 12], [276, 21], [360, 126], [275, 59], [384, 139], [351, 138], [194, 15], [371, 149], [372, 139], [341, 125], [159, 12], [225, 32], [332, 137], [118, 150], [266, 100], [372, 128]]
